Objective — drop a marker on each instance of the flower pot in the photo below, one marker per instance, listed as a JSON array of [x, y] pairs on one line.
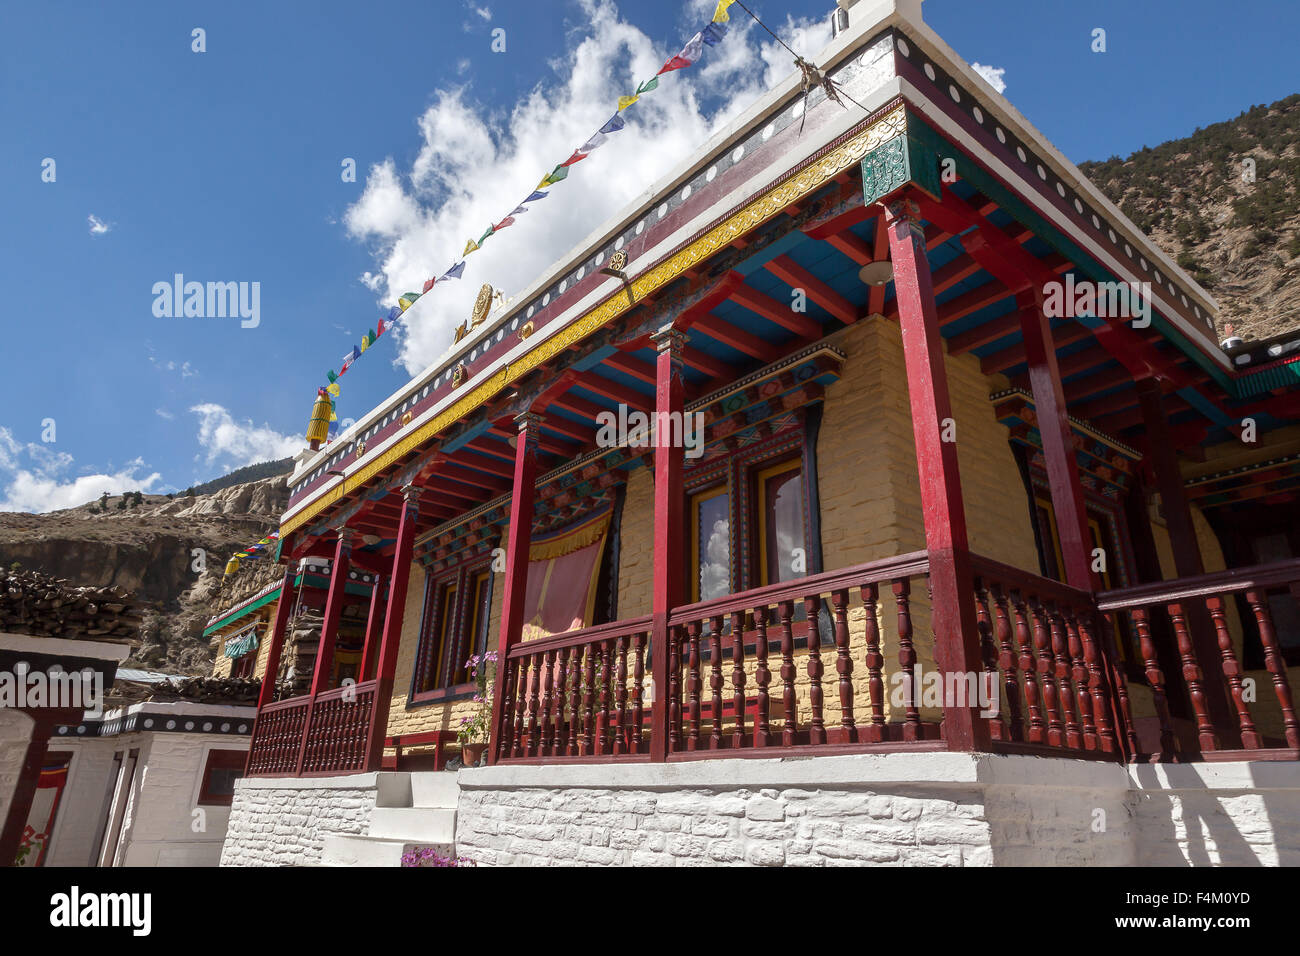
[[470, 753]]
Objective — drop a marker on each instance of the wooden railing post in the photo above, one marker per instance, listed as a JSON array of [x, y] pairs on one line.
[[339, 568], [668, 521], [517, 545], [386, 665], [952, 611], [1186, 548], [275, 646]]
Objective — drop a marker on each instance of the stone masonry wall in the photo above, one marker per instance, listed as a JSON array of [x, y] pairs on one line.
[[954, 811], [284, 822]]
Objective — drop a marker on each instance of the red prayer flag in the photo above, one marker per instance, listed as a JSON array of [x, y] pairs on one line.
[[508, 221], [574, 158], [676, 63], [428, 285]]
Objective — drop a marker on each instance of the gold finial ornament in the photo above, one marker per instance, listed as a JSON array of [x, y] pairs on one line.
[[318, 428], [461, 331], [481, 306]]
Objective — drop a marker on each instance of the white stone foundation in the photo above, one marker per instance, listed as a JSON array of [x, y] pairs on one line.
[[922, 809], [936, 809], [283, 821]]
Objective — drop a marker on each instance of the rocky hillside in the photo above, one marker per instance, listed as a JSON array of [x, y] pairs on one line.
[[1225, 203], [169, 553]]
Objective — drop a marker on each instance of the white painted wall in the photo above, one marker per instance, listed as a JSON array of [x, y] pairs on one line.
[[15, 735], [160, 827]]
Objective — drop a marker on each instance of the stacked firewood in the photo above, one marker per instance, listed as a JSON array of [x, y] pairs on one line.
[[208, 690], [45, 606]]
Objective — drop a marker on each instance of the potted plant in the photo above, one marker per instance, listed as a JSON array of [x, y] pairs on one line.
[[475, 730]]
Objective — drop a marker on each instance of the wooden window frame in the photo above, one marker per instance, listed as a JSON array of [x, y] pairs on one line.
[[460, 617], [220, 759]]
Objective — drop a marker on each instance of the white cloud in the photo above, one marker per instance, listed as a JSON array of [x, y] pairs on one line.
[[237, 444], [97, 226], [164, 414], [484, 11], [992, 75], [185, 368], [32, 477], [475, 164]]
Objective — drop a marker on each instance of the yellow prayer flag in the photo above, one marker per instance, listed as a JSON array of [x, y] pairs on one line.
[[625, 101], [469, 247], [720, 15], [332, 388]]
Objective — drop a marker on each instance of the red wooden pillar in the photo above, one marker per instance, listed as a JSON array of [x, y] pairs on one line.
[[1187, 550], [20, 804], [669, 519], [951, 579], [386, 664], [517, 544], [1058, 442], [333, 611], [288, 594], [374, 625]]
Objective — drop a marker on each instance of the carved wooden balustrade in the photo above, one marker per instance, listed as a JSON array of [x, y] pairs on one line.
[[314, 736], [1060, 683], [841, 662], [578, 695], [1211, 601]]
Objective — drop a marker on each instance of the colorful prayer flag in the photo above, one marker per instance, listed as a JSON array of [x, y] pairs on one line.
[[720, 15], [455, 271], [381, 328], [518, 209], [577, 156], [508, 221], [331, 376], [713, 33], [332, 387], [394, 313], [559, 173], [407, 300], [614, 124], [648, 85], [429, 285], [625, 101], [693, 50], [536, 196], [483, 238], [470, 246], [596, 141]]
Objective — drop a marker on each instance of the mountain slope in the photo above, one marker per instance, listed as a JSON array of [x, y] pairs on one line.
[[1239, 239], [169, 553]]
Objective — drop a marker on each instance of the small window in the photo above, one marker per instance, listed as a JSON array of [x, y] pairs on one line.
[[223, 768], [780, 516], [455, 626], [242, 668], [711, 543]]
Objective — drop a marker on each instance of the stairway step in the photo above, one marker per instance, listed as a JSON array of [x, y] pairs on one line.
[[347, 850], [413, 824], [434, 788]]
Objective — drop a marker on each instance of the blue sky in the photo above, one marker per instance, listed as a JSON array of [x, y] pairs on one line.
[[225, 166]]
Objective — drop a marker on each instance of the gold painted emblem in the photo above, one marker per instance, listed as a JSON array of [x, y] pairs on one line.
[[617, 263], [406, 419], [361, 449], [481, 306], [458, 375], [525, 331]]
